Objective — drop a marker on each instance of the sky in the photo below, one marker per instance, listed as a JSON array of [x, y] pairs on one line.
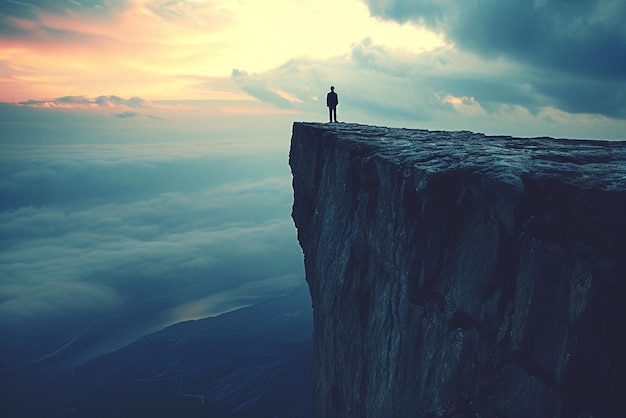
[[144, 143], [523, 68]]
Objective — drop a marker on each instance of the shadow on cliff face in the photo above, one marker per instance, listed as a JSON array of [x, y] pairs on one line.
[[444, 203], [559, 282], [582, 233]]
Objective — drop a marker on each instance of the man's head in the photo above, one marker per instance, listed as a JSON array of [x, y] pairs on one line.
[[332, 88]]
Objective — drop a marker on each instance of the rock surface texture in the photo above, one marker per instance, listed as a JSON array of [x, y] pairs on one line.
[[454, 274]]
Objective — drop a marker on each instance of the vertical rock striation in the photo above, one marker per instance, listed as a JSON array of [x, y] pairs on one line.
[[454, 274]]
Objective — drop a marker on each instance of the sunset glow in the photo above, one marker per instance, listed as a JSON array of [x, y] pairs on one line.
[[181, 50]]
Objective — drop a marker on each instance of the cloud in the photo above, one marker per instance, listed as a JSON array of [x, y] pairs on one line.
[[28, 18], [380, 81], [202, 15], [90, 232], [125, 115], [259, 88], [29, 302], [573, 53], [28, 8], [168, 245], [445, 88], [101, 102], [84, 102], [367, 88], [112, 101], [575, 37], [51, 49]]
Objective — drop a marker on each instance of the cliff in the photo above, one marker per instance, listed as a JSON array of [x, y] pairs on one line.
[[455, 274]]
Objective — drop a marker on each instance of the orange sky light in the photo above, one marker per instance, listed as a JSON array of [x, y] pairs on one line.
[[182, 50]]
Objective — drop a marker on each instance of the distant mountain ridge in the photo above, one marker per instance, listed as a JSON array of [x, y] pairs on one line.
[[254, 361]]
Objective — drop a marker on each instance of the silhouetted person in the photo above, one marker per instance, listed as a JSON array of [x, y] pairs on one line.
[[332, 101]]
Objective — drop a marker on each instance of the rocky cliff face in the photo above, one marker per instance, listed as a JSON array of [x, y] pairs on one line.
[[454, 274]]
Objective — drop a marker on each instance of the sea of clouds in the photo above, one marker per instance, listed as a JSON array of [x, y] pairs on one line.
[[144, 233]]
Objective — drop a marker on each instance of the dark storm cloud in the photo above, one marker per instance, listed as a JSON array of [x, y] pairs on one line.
[[574, 52], [442, 72], [573, 36], [585, 96]]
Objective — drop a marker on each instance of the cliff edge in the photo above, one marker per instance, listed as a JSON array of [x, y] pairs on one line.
[[454, 274]]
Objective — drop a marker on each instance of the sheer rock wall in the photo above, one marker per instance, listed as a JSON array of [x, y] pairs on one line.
[[454, 274]]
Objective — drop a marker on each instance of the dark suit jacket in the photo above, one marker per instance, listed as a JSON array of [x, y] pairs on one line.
[[331, 99]]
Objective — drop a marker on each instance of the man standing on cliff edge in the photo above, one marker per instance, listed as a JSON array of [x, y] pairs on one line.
[[332, 101]]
